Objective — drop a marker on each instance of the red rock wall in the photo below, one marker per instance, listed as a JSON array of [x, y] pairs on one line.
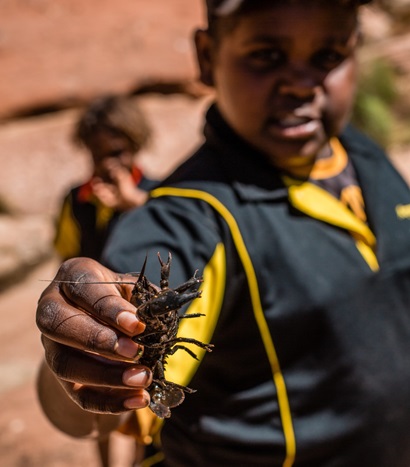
[[66, 51]]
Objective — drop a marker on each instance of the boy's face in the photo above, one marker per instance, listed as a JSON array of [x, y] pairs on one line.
[[285, 78]]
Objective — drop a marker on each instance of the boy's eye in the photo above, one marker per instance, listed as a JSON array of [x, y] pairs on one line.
[[266, 58], [328, 59]]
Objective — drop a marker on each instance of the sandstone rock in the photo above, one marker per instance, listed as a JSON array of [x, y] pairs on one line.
[[61, 53], [399, 9], [25, 243]]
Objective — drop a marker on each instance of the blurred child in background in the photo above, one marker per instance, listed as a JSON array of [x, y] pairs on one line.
[[113, 129]]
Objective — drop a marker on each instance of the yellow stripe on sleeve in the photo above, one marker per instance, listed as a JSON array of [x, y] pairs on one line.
[[279, 381], [181, 367]]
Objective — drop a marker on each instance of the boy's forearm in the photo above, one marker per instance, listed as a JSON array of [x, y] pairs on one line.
[[67, 416]]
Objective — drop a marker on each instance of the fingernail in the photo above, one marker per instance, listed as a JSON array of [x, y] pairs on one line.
[[129, 322], [128, 348], [136, 377], [137, 402]]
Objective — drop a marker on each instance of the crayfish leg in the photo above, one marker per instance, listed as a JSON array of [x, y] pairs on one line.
[[192, 315], [189, 340], [182, 347]]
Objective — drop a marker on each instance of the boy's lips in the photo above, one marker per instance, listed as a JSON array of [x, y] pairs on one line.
[[294, 127]]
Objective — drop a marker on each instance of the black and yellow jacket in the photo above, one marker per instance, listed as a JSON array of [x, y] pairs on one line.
[[308, 308]]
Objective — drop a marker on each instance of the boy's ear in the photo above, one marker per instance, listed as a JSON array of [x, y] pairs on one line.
[[203, 44]]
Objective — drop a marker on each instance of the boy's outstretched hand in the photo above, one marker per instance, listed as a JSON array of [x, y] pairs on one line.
[[86, 327]]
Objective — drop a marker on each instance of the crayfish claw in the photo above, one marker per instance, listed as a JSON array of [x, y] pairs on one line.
[[165, 268]]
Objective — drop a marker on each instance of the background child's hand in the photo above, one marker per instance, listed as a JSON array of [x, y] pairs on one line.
[[117, 190]]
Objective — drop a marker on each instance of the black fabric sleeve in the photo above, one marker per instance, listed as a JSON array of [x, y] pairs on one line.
[[186, 228]]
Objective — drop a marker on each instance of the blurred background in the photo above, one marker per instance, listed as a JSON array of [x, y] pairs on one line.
[[55, 57]]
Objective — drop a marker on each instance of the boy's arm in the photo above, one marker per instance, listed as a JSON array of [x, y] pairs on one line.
[[66, 415]]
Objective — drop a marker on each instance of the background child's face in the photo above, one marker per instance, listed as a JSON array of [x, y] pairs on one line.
[[285, 77], [106, 145]]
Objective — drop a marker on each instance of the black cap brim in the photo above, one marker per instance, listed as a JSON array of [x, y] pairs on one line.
[[226, 7]]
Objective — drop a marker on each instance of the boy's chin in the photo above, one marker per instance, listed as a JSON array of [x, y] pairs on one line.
[[295, 151]]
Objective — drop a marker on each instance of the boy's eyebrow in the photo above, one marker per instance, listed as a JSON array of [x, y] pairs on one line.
[[340, 40], [267, 38]]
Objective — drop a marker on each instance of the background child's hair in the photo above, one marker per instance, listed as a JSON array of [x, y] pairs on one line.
[[116, 113]]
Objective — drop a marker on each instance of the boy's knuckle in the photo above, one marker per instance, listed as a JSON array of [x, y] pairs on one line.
[[102, 340], [47, 316], [109, 306]]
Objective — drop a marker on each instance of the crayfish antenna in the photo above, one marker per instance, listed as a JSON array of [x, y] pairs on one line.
[[142, 281], [142, 272]]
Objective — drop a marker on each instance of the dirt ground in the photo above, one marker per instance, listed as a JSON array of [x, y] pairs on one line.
[[27, 438]]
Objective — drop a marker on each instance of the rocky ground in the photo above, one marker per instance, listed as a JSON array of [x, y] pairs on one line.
[[55, 57]]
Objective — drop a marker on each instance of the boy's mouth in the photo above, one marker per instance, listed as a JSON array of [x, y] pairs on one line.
[[294, 127]]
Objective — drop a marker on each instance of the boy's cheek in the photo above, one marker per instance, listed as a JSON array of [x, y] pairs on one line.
[[340, 89]]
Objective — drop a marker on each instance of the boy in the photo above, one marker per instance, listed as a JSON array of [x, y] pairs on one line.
[[293, 218], [114, 130]]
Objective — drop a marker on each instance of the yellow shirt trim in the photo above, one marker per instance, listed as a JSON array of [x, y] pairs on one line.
[[319, 204], [403, 211], [330, 166], [103, 214], [67, 239], [283, 401], [181, 367]]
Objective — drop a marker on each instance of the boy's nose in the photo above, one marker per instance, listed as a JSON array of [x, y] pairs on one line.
[[298, 90], [299, 82]]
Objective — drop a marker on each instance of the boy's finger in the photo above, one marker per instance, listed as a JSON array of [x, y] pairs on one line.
[[63, 323], [105, 303], [87, 369], [87, 285], [107, 401]]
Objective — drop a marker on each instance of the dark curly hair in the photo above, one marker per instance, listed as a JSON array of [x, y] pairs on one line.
[[116, 113]]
